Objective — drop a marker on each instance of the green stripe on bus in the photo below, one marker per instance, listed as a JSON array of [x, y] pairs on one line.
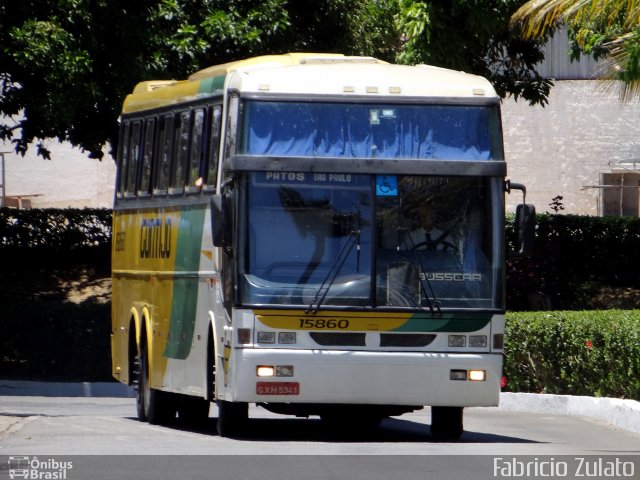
[[454, 322], [185, 290], [212, 84]]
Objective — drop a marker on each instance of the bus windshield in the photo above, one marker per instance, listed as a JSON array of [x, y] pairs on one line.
[[443, 132], [319, 239]]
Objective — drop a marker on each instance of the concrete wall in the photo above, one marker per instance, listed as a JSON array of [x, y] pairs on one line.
[[561, 149], [69, 179]]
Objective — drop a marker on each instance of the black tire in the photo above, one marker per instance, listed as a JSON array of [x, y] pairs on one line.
[[446, 423], [154, 406], [139, 388], [233, 418]]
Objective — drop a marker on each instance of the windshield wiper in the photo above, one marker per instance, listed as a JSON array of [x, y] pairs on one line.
[[353, 240], [425, 284]]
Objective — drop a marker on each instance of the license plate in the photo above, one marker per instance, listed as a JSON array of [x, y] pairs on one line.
[[278, 388]]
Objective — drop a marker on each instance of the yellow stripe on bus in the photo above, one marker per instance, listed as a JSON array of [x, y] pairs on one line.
[[343, 321]]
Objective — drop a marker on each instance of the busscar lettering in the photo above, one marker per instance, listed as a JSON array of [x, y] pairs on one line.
[[451, 276], [155, 238]]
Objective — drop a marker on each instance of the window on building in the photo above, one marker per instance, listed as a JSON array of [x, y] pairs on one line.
[[619, 194]]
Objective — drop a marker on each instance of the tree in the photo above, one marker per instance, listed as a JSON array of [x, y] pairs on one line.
[[474, 36], [66, 65], [607, 29]]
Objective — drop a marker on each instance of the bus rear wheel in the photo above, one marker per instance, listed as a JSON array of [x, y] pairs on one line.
[[446, 423], [153, 406], [232, 418]]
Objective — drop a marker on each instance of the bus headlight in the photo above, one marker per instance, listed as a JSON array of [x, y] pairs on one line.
[[265, 371], [284, 370], [477, 341], [457, 341], [266, 337], [477, 375], [277, 371], [287, 337], [458, 375]]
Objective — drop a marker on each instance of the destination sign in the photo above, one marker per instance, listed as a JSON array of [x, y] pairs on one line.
[[306, 178]]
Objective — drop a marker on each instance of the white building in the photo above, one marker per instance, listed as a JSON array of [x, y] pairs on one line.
[[69, 179], [580, 146]]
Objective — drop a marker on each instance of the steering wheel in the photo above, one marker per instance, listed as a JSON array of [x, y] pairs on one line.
[[440, 245]]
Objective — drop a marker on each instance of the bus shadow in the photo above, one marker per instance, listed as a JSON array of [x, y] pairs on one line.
[[390, 430]]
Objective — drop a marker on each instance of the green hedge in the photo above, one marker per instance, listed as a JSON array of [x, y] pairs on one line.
[[54, 236], [579, 262], [54, 228], [595, 353]]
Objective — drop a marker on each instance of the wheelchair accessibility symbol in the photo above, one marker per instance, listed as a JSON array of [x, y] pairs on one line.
[[386, 186]]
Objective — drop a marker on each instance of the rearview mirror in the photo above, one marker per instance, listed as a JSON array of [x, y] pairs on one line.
[[220, 221], [525, 228]]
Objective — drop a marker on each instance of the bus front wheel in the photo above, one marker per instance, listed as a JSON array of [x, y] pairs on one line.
[[232, 418], [446, 423]]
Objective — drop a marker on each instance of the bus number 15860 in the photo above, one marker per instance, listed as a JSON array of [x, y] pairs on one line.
[[322, 323]]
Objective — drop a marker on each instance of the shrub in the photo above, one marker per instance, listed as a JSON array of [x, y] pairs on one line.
[[595, 353], [579, 262], [54, 235]]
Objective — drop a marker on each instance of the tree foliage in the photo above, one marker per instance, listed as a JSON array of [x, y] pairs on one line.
[[608, 29], [474, 36], [66, 65]]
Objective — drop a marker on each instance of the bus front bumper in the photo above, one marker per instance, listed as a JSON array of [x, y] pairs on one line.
[[362, 377]]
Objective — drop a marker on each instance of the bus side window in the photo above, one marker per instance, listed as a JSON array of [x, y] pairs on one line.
[[163, 161], [214, 147], [196, 153], [124, 159], [181, 153], [134, 157], [147, 156]]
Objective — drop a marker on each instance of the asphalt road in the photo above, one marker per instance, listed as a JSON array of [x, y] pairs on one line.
[[102, 434]]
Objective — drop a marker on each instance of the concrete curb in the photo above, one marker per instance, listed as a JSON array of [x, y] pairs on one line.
[[64, 389], [623, 414]]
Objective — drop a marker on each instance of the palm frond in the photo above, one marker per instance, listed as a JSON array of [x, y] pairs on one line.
[[621, 68]]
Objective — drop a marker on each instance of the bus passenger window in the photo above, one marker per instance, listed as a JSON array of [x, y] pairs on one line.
[[181, 153], [147, 156], [214, 147], [124, 159], [196, 155], [134, 157], [165, 137]]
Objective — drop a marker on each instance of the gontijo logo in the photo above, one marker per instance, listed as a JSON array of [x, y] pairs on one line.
[[36, 469]]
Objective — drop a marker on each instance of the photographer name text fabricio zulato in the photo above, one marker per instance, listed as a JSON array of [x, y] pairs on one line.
[[575, 467]]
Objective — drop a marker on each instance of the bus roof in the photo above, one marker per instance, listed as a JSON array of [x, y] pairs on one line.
[[311, 74]]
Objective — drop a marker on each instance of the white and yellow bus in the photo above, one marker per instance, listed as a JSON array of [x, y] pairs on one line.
[[313, 233]]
